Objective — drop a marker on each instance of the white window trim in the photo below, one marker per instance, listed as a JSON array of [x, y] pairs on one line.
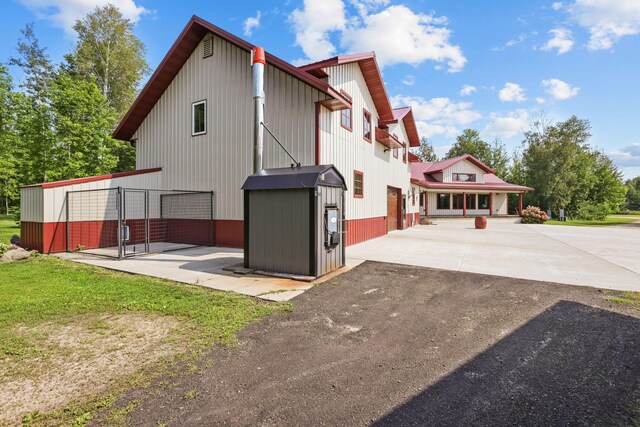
[[193, 122]]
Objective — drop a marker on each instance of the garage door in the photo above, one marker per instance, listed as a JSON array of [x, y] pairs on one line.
[[392, 209]]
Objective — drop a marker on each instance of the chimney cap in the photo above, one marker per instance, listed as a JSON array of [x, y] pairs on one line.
[[258, 56]]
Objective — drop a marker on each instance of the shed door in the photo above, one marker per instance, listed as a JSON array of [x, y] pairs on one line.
[[392, 209]]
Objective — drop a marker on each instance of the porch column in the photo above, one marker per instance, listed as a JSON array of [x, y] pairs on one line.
[[464, 204], [519, 203], [490, 204]]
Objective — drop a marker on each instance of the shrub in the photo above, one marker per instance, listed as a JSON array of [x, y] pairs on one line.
[[534, 215], [590, 212]]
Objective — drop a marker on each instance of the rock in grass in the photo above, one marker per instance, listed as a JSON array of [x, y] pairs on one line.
[[15, 255]]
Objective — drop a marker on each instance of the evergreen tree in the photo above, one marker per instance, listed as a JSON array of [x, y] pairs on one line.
[[426, 151]]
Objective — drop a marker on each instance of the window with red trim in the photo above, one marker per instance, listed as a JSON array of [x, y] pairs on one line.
[[404, 152], [358, 184], [395, 150], [366, 127], [345, 115]]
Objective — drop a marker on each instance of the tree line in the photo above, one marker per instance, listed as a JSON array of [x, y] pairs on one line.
[[56, 123], [557, 160]]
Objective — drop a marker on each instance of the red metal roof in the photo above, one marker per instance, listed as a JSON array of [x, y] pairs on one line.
[[370, 71], [441, 165], [181, 50], [73, 181], [421, 175], [413, 158]]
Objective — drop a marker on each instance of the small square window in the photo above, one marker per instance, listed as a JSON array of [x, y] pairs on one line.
[[366, 130], [358, 184], [199, 118]]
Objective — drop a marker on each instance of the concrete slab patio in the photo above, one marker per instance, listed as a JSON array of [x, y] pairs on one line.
[[601, 257], [202, 266]]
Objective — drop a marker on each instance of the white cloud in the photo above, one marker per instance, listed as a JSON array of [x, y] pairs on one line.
[[562, 41], [557, 5], [251, 23], [313, 23], [467, 90], [540, 100], [366, 6], [512, 92], [521, 38], [398, 35], [509, 125], [64, 13], [607, 21], [559, 90], [438, 116], [409, 80], [628, 156]]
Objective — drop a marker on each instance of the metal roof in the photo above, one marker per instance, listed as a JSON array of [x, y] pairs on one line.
[[295, 177], [181, 50]]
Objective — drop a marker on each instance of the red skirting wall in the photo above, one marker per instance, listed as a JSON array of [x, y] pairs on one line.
[[51, 237], [229, 233], [359, 230], [416, 218]]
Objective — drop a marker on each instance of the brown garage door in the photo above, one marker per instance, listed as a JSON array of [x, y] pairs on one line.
[[392, 209]]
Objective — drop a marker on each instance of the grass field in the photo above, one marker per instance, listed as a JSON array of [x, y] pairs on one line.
[[611, 220], [8, 228], [95, 330]]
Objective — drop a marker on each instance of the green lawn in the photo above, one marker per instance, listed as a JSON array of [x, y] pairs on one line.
[[8, 228], [44, 291], [612, 220]]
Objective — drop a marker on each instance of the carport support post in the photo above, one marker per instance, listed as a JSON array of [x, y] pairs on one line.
[[464, 204], [520, 204]]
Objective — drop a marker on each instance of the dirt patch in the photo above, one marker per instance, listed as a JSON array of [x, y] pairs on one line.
[[399, 345], [81, 357]]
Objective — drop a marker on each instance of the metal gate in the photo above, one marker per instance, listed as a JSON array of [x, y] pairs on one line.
[[121, 222]]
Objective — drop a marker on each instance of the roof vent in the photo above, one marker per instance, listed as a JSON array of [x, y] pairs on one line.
[[207, 47]]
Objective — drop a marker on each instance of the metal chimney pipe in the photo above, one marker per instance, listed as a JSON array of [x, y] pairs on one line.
[[258, 64]]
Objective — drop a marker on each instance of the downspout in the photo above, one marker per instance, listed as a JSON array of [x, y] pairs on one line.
[[258, 63]]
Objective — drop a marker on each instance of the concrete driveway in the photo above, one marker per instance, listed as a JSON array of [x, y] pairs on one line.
[[602, 257]]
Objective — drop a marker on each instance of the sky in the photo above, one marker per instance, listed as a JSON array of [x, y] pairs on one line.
[[492, 65]]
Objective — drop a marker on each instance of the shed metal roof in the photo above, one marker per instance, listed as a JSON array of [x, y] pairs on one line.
[[295, 177]]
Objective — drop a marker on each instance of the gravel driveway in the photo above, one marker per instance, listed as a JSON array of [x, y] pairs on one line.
[[390, 344]]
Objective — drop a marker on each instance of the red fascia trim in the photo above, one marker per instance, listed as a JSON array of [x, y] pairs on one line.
[[366, 113], [356, 196], [73, 181], [317, 130]]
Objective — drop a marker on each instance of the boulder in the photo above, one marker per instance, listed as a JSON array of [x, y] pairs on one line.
[[15, 255], [15, 240]]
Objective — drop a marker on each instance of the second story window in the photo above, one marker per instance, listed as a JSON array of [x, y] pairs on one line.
[[404, 152], [463, 177], [199, 118], [345, 115], [358, 184], [366, 130]]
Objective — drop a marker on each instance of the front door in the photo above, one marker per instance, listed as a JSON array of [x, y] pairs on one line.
[[392, 209]]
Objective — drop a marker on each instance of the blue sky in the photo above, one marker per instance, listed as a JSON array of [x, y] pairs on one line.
[[491, 66]]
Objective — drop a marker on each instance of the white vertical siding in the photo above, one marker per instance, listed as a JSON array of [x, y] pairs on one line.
[[53, 207], [31, 204], [221, 159], [349, 152], [464, 166], [500, 203]]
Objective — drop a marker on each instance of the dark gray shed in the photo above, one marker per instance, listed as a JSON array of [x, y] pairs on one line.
[[293, 220]]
